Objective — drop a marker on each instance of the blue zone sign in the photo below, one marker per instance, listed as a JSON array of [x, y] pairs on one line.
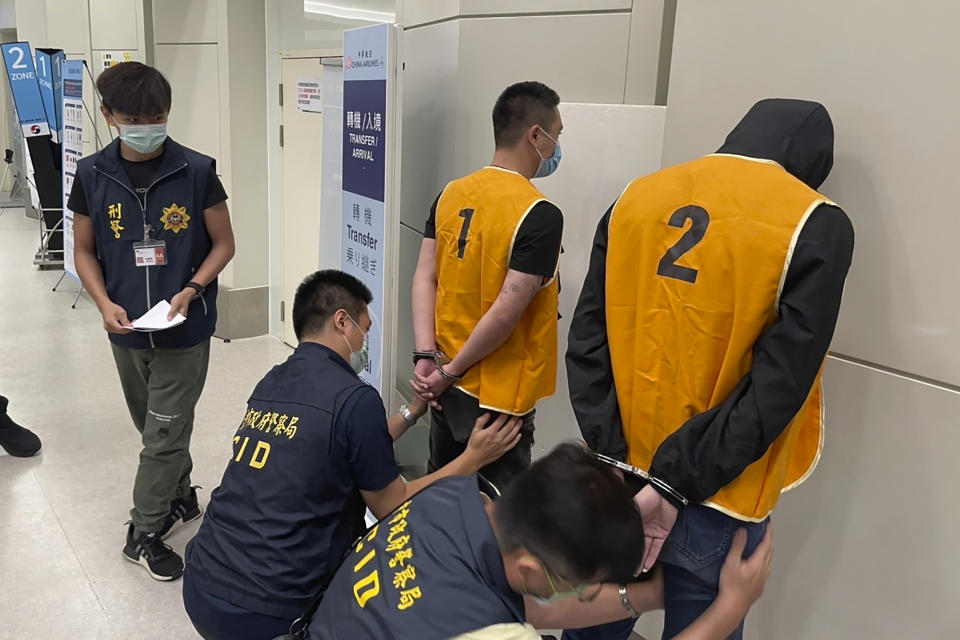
[[25, 89]]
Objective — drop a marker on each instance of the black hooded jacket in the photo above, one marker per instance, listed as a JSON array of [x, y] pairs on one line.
[[711, 449]]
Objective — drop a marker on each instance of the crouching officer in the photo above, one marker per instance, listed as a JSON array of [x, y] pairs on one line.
[[153, 225], [313, 450], [447, 564]]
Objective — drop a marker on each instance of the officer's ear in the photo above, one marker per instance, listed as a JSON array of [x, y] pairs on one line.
[[528, 568], [341, 319]]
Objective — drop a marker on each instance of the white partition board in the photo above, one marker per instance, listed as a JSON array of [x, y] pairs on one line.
[[605, 146]]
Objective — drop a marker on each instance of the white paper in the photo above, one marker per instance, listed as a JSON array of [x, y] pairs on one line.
[[156, 318]]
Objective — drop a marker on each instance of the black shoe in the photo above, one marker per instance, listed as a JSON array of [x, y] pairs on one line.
[[149, 551], [182, 511], [14, 439]]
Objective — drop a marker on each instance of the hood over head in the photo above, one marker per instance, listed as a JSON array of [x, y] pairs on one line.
[[797, 134]]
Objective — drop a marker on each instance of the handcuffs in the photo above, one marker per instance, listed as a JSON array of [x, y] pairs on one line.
[[440, 358]]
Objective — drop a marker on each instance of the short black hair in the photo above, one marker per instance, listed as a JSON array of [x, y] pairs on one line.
[[519, 107], [322, 294], [575, 515], [134, 89]]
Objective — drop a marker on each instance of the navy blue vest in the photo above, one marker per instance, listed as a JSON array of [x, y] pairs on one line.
[[286, 511], [174, 208], [432, 569]]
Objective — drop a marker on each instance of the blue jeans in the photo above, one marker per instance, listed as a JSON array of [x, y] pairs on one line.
[[691, 560], [217, 619]]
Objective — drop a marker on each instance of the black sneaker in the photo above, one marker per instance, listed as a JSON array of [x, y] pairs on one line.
[[182, 511], [15, 440], [149, 551]]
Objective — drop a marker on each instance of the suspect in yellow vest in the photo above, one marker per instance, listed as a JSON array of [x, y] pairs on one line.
[[696, 261], [477, 219]]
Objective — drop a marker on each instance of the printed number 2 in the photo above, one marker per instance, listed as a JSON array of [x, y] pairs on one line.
[[18, 63], [701, 220], [467, 215]]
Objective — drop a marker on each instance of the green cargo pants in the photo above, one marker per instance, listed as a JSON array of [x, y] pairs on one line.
[[162, 387]]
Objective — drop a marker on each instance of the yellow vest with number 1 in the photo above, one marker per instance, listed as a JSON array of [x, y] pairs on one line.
[[477, 220], [696, 261]]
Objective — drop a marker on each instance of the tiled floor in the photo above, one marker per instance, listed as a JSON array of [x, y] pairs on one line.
[[62, 513]]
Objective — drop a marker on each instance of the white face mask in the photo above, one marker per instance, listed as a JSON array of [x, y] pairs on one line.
[[359, 359]]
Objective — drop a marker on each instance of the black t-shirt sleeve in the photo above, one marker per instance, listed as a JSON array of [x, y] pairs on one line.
[[77, 202], [430, 229], [537, 246], [215, 193]]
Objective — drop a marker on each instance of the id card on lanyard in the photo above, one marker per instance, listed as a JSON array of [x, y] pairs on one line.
[[149, 252]]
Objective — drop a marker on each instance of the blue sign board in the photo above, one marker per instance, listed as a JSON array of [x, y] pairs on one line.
[[49, 66], [25, 88], [365, 60]]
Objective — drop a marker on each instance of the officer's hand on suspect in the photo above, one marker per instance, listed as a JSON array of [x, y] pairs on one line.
[[115, 319], [742, 579], [489, 441], [180, 303]]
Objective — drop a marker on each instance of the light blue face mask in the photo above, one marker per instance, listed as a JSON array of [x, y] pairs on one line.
[[359, 359], [143, 138], [548, 165]]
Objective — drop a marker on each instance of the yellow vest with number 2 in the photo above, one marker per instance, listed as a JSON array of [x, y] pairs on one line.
[[696, 261]]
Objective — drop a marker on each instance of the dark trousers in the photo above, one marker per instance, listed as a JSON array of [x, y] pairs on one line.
[[217, 619], [450, 431], [691, 560]]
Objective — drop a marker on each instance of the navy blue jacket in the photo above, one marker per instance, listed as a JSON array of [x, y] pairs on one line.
[[431, 570], [288, 505], [174, 208]]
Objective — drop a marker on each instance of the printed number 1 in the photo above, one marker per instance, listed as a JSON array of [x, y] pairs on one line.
[[467, 215]]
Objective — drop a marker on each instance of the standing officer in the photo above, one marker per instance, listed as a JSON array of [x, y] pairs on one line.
[[153, 225], [485, 289], [697, 345]]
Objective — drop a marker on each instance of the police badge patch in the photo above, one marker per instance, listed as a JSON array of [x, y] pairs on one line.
[[174, 218]]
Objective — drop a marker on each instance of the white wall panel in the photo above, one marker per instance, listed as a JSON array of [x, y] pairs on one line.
[[417, 12], [185, 21], [193, 72], [430, 132], [886, 77], [115, 25], [604, 148], [484, 7], [67, 29], [643, 59], [496, 52]]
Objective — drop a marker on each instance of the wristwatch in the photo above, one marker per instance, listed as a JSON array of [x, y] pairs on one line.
[[196, 287], [407, 415]]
